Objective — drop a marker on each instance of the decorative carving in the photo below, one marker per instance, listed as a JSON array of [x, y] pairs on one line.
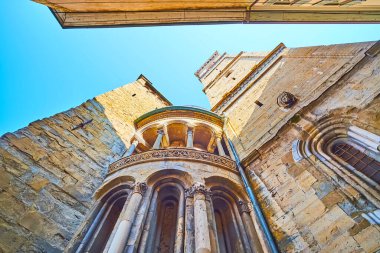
[[197, 188], [178, 153], [140, 188], [286, 100], [244, 207]]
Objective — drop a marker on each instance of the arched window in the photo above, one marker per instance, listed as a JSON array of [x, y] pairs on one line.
[[165, 220], [359, 161], [227, 230]]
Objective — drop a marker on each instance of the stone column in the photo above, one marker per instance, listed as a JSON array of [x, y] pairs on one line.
[[126, 219], [189, 143], [202, 233], [219, 146], [189, 223], [178, 246], [245, 208], [157, 143], [131, 148]]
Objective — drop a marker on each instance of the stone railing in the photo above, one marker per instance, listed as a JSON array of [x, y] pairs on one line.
[[173, 154]]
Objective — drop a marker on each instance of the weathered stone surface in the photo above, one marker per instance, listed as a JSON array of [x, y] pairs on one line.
[[50, 171], [309, 207]]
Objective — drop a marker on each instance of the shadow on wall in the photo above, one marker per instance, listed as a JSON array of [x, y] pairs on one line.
[[278, 187], [50, 170]]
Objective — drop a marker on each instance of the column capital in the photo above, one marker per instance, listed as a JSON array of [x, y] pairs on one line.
[[161, 131], [218, 136], [140, 188], [244, 207], [197, 188], [135, 142]]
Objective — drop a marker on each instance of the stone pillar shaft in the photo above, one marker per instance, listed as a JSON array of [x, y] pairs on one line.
[[201, 233], [220, 146], [190, 140], [126, 220], [157, 143], [131, 148]]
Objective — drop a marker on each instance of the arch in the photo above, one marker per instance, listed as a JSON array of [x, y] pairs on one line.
[[319, 143], [100, 223], [235, 190], [164, 226], [235, 225], [107, 187], [180, 176]]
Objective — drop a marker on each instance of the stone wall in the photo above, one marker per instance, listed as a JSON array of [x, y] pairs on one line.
[[49, 170], [309, 207], [254, 116]]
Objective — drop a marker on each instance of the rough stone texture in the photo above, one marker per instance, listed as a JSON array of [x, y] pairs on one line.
[[49, 171], [306, 206]]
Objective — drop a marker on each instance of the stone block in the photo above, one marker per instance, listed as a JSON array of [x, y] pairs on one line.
[[330, 225], [369, 239]]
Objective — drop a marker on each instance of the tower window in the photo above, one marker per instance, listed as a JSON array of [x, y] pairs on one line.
[[228, 73], [358, 160], [258, 103]]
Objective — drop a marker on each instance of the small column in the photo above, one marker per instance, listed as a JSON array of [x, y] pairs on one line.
[[126, 219], [245, 209], [190, 141], [202, 233], [131, 148], [219, 146], [157, 143]]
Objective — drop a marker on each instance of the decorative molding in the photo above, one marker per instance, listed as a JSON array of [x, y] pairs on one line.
[[372, 217], [173, 154], [316, 149], [140, 188], [286, 100], [296, 154], [178, 112], [249, 78], [244, 207]]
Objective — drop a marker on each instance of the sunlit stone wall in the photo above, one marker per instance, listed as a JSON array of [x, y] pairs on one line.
[[49, 170], [310, 204]]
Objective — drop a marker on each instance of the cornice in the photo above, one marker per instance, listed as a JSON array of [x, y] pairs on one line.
[[255, 71], [173, 154], [178, 111], [208, 61]]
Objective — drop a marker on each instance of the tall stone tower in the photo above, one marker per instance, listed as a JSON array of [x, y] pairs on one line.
[[287, 160]]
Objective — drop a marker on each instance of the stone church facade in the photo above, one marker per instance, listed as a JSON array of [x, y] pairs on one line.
[[287, 160]]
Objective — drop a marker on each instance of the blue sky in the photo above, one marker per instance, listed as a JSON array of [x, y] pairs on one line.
[[45, 69]]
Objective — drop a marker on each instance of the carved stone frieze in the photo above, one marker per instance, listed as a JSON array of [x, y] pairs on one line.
[[244, 207], [175, 154], [286, 100], [140, 188]]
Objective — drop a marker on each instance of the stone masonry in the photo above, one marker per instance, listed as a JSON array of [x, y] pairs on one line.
[[51, 168], [308, 206]]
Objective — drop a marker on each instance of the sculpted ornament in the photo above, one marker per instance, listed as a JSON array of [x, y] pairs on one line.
[[197, 188], [286, 100], [244, 207], [177, 153], [140, 188]]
